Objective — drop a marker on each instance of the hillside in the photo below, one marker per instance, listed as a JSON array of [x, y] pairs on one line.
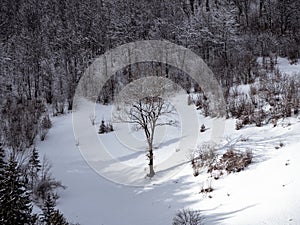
[[264, 193]]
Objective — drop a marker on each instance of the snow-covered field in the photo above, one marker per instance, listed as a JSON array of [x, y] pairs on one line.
[[267, 192]]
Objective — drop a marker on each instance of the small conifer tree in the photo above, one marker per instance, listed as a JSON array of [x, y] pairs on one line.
[[52, 216], [34, 167], [102, 128], [202, 129], [57, 218], [15, 204], [48, 210]]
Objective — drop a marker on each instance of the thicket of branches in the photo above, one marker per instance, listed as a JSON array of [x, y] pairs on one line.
[[271, 97], [46, 45]]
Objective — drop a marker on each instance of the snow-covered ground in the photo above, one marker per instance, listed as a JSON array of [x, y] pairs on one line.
[[284, 66], [267, 192]]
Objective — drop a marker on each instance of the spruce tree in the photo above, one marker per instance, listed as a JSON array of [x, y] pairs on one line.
[[52, 216], [34, 166], [15, 204], [58, 219], [202, 128], [48, 210], [102, 128]]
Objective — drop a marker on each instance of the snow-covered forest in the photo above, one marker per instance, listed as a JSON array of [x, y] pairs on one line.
[[248, 177]]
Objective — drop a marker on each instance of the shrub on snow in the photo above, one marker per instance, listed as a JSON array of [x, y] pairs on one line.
[[188, 217], [233, 161], [204, 156]]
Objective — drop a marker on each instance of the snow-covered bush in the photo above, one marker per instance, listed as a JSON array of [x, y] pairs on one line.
[[265, 101], [293, 56], [238, 125], [20, 122], [188, 217], [233, 161], [44, 127], [190, 100], [105, 127], [110, 127], [207, 187], [45, 184], [58, 106], [204, 156]]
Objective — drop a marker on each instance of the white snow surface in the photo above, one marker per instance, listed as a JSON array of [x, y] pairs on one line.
[[266, 192], [285, 67]]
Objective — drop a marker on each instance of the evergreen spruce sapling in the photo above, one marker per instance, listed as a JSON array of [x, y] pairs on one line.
[[202, 128], [52, 216], [34, 167], [48, 210], [15, 204], [57, 218], [102, 128]]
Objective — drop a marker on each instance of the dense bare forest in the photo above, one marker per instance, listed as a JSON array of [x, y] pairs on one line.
[[47, 45]]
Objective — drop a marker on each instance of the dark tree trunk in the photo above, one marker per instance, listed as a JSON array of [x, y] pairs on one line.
[[207, 6], [151, 170], [261, 4], [150, 151]]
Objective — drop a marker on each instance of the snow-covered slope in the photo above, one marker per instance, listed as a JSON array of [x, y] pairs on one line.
[[267, 192]]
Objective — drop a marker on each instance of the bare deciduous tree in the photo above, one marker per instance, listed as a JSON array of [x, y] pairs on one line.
[[144, 103]]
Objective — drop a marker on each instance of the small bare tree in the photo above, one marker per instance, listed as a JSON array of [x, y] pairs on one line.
[[143, 103]]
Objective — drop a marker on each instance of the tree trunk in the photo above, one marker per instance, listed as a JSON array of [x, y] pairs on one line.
[[150, 153], [261, 4], [151, 170], [207, 6]]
